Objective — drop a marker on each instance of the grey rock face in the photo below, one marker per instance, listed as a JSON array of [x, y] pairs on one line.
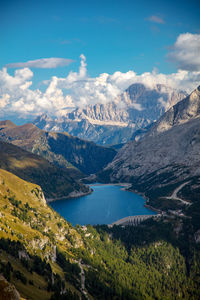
[[180, 113], [115, 122], [168, 153], [177, 146]]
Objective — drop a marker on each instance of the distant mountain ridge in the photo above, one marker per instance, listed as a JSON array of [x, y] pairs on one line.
[[54, 181], [115, 122], [61, 149], [44, 256]]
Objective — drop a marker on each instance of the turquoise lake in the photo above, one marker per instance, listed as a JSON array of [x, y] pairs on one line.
[[107, 204]]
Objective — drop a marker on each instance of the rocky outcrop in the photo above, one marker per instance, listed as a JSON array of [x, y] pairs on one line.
[[8, 290], [182, 112], [197, 236], [176, 147]]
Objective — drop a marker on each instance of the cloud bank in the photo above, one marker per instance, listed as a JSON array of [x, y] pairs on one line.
[[186, 52], [77, 89], [43, 63]]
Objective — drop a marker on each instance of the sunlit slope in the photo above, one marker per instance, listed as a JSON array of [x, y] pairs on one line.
[[54, 181], [44, 256], [31, 234], [61, 149], [25, 214]]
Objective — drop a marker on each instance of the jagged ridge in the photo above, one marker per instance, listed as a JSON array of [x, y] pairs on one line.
[[115, 122]]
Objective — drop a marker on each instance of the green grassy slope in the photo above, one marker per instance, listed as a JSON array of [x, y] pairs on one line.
[[30, 232], [40, 252], [61, 149], [55, 182]]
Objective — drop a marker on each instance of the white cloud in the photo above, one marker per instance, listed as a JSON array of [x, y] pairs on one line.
[[43, 63], [156, 19], [137, 106], [78, 89], [4, 100], [20, 77], [17, 98], [84, 90], [186, 52]]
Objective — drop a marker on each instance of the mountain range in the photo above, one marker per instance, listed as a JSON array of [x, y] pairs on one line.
[[115, 122], [42, 256], [55, 182], [165, 158], [76, 155]]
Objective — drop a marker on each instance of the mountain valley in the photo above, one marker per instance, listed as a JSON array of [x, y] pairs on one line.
[[42, 256], [166, 157], [46, 258], [76, 155], [100, 150], [55, 182]]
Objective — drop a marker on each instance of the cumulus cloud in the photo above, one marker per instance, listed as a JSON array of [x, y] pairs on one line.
[[16, 97], [186, 52], [156, 19], [43, 63], [77, 89], [4, 100]]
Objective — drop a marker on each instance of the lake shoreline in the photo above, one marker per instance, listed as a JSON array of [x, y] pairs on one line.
[[146, 201], [126, 187], [70, 196], [88, 211], [125, 184], [81, 194]]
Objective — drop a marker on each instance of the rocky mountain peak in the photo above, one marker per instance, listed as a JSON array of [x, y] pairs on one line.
[[135, 90], [115, 122], [159, 95], [183, 111]]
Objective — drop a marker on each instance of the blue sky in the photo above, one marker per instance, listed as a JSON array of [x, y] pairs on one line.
[[55, 52], [113, 35]]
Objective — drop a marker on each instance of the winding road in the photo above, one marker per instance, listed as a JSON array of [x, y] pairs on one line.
[[175, 192]]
